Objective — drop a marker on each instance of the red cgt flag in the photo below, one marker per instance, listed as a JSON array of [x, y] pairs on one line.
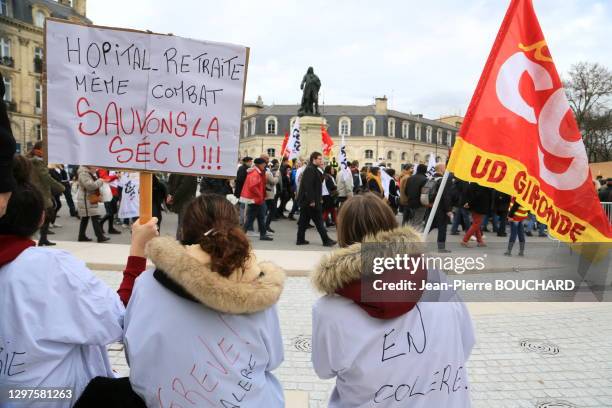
[[284, 146], [520, 136], [327, 141]]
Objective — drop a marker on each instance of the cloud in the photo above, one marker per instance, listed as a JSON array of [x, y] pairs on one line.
[[426, 56]]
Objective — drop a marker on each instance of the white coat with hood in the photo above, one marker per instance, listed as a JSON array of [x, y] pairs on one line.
[[416, 360], [196, 338]]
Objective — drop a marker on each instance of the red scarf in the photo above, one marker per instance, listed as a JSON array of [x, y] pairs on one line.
[[387, 304], [11, 246]]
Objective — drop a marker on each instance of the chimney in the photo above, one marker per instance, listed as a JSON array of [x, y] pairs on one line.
[[381, 105], [80, 7]]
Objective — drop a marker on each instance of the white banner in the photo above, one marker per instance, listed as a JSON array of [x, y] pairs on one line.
[[431, 165], [294, 143], [344, 164], [143, 101]]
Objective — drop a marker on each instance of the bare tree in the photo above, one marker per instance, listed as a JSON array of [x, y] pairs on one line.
[[589, 92]]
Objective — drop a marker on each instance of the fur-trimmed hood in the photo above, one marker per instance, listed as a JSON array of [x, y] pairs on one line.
[[254, 290], [343, 266]]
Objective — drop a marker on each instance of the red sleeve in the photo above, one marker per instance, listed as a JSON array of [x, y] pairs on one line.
[[135, 266]]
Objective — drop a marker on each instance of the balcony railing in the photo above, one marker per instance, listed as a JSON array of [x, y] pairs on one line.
[[7, 61]]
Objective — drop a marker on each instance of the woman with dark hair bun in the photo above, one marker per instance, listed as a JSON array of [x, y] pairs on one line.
[[56, 316], [202, 328]]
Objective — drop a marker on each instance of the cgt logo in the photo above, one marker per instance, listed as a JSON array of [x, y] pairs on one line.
[[549, 121]]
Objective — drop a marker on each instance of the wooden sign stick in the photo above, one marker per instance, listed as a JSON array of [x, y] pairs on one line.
[[146, 197]]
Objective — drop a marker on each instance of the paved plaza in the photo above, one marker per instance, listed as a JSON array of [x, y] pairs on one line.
[[526, 355]]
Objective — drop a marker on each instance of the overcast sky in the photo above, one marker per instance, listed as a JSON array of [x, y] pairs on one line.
[[426, 56]]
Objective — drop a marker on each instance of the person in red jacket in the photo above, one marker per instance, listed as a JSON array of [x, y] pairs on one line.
[[111, 178], [254, 194]]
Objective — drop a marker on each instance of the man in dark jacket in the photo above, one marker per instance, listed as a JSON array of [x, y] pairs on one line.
[[181, 190], [605, 193], [309, 199], [213, 185], [501, 205], [443, 212], [7, 151], [241, 175], [461, 215], [285, 187], [413, 190]]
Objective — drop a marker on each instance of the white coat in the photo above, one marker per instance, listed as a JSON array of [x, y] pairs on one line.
[[196, 338], [56, 319], [416, 360]]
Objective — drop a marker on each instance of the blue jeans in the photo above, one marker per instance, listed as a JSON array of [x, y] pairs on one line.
[[256, 211], [516, 229], [532, 222], [461, 216]]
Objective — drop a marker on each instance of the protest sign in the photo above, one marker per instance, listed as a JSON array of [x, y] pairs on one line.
[[142, 101]]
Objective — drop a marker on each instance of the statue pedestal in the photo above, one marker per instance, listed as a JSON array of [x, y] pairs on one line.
[[310, 135]]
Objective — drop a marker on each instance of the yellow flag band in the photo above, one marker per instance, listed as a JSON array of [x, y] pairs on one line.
[[510, 176]]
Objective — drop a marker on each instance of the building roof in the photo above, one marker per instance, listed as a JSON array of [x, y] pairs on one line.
[[22, 10], [350, 110]]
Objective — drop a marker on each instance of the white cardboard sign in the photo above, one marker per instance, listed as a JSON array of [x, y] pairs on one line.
[[134, 100]]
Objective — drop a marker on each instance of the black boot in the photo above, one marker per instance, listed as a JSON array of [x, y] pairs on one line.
[[509, 251], [44, 230], [521, 249], [98, 229], [83, 229]]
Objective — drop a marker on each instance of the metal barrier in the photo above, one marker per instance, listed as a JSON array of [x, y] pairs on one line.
[[607, 207]]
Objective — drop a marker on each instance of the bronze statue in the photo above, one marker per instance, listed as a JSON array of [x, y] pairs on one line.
[[311, 85]]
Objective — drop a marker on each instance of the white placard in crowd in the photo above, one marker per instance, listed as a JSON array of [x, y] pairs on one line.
[[295, 142], [141, 101]]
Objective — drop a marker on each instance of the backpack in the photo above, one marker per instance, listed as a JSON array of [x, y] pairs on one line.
[[429, 191]]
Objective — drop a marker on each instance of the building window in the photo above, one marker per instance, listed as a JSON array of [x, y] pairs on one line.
[[38, 59], [391, 127], [5, 47], [390, 155], [369, 154], [38, 98], [271, 152], [38, 130], [368, 126], [8, 97], [4, 7], [405, 129], [404, 156], [345, 127], [253, 123], [417, 132], [439, 136], [429, 134], [417, 158], [271, 125], [449, 138], [39, 18]]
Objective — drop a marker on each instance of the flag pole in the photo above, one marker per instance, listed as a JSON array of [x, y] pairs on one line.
[[434, 207]]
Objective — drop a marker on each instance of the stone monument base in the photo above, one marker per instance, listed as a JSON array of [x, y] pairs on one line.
[[310, 135]]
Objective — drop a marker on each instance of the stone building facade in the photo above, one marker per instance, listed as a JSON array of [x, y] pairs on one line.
[[373, 133], [21, 59]]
